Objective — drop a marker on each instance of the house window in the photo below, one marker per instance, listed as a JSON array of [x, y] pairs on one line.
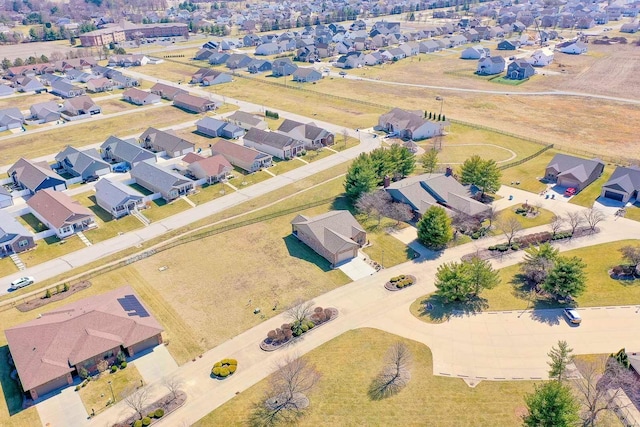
[[65, 230], [23, 243]]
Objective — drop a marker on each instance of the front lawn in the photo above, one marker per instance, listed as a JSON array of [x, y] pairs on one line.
[[281, 166], [528, 173], [385, 249], [349, 363], [160, 209], [543, 217], [11, 412], [209, 192], [50, 248], [32, 223], [97, 393], [108, 227], [589, 195]]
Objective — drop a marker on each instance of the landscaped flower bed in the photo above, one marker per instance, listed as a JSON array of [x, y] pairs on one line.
[[624, 272], [224, 368], [400, 282], [288, 332], [156, 410]]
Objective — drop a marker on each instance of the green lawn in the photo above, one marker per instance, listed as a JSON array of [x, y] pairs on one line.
[[208, 192], [160, 209], [544, 217], [140, 189], [589, 195], [633, 212], [97, 393], [528, 173], [454, 154], [108, 227], [282, 166], [11, 412], [7, 267], [313, 155], [50, 248], [348, 364], [385, 249], [32, 223], [242, 179], [510, 294]]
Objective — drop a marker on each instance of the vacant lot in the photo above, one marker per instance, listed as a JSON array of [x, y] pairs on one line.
[[110, 106], [24, 102], [349, 363]]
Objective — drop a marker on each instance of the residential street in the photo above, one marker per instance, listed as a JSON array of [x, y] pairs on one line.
[[492, 345]]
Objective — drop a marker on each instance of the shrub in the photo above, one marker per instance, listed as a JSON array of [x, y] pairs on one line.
[[224, 372], [402, 276], [400, 285], [475, 236], [123, 365], [48, 293], [77, 388], [502, 248], [232, 369], [65, 287], [515, 246], [216, 370], [233, 362], [394, 279], [114, 368], [304, 328], [309, 324], [327, 313], [137, 423], [217, 364], [159, 413], [146, 421], [151, 415], [492, 248]]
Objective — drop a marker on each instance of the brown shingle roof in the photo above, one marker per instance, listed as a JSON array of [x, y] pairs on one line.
[[57, 208], [240, 152], [213, 165]]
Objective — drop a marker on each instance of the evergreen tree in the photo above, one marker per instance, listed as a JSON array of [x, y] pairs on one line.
[[452, 282], [434, 228], [382, 163], [429, 160], [6, 63], [538, 261], [361, 177], [567, 278], [484, 174], [481, 275], [401, 160], [560, 357], [552, 405]]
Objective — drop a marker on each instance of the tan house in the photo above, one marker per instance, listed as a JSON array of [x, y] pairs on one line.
[[212, 169], [60, 212], [245, 158], [50, 349], [335, 235], [194, 104]]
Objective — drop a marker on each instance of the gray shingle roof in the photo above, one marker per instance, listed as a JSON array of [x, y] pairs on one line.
[[115, 193], [333, 230], [128, 151], [31, 174], [10, 228], [78, 160], [625, 179], [163, 179], [581, 169], [272, 139], [165, 140]]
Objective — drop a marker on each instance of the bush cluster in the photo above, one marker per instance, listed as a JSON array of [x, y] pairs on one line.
[[298, 328], [320, 315], [224, 368], [559, 236], [272, 114], [480, 232], [401, 281], [114, 368], [123, 365]]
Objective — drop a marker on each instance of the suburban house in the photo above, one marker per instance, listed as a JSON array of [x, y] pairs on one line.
[[410, 124], [475, 52], [166, 91], [101, 84], [283, 67], [6, 90], [50, 349], [491, 65], [306, 75], [45, 112], [14, 237], [541, 58], [157, 179], [194, 104], [210, 77], [79, 106], [10, 118], [140, 97], [247, 120], [132, 60], [311, 135], [29, 84], [35, 176], [572, 47], [65, 89], [423, 191], [570, 171], [212, 169], [6, 199], [165, 142], [248, 159], [118, 150], [259, 66], [60, 212], [85, 164], [274, 143], [519, 70], [336, 236], [507, 45], [623, 185], [214, 127], [117, 198]]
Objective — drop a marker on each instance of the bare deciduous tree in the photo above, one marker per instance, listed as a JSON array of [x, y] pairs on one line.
[[375, 203], [510, 228], [395, 375], [575, 220], [285, 399], [173, 384], [137, 400], [631, 254], [345, 136], [490, 215], [556, 223], [401, 212], [601, 384], [299, 310], [593, 217]]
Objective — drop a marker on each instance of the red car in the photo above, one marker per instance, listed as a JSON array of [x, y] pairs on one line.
[[570, 192]]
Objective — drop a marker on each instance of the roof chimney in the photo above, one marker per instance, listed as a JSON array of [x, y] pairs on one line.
[[448, 171], [386, 182]]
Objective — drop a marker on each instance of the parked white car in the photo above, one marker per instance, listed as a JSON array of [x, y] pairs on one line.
[[21, 283]]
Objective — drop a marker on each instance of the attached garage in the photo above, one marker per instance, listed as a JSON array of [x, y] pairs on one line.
[[346, 255], [143, 345], [569, 182], [51, 386], [614, 196]]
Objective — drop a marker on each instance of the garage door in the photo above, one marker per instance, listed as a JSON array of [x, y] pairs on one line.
[[143, 345], [52, 385], [568, 182], [614, 196], [346, 255]]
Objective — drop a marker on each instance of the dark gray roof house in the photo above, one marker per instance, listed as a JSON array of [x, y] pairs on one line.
[[274, 143], [86, 163], [306, 75], [423, 191], [11, 118], [165, 142], [570, 171], [14, 238], [214, 127], [66, 90], [623, 185], [118, 150], [117, 198], [311, 135], [35, 176], [519, 70], [157, 179]]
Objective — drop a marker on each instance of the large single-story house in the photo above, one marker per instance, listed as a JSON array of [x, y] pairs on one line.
[[35, 176], [194, 104], [247, 120], [570, 171], [101, 84], [129, 60], [140, 97], [10, 118], [623, 185], [306, 75], [157, 179], [165, 142], [491, 65], [117, 198], [14, 238], [80, 105], [519, 70], [86, 163], [48, 111], [423, 191], [274, 143], [335, 235], [214, 169], [119, 150], [573, 47], [210, 77], [410, 124], [29, 84], [166, 91], [214, 127], [60, 212], [311, 135], [65, 89], [51, 348], [246, 158]]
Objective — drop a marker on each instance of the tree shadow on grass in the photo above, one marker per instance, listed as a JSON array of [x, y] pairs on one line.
[[10, 388], [299, 250], [433, 308], [544, 309]]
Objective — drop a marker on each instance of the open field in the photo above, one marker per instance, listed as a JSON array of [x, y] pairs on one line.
[[457, 154], [528, 173], [601, 289], [24, 102], [115, 105], [170, 70], [90, 132], [349, 363], [97, 393]]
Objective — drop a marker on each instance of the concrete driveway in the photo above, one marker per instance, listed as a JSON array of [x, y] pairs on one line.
[[155, 364], [63, 409], [357, 268]]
